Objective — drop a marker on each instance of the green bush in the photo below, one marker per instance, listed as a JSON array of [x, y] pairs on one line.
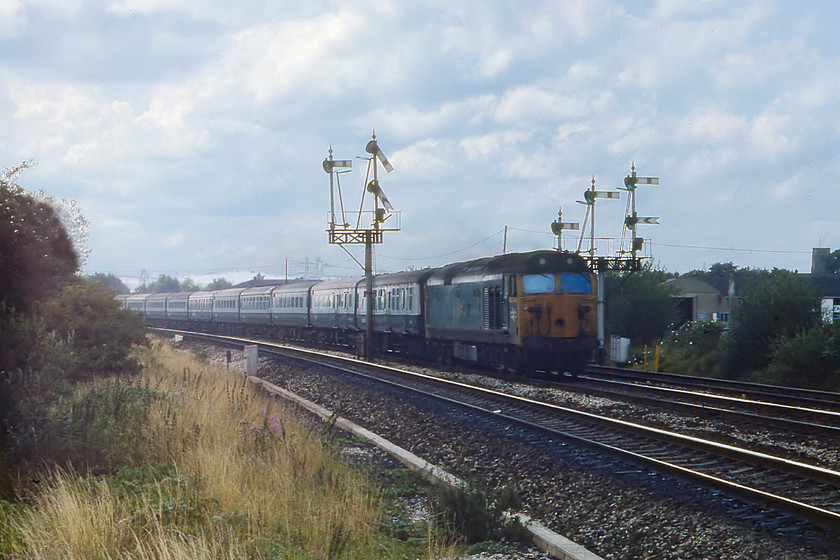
[[777, 305], [473, 514], [639, 305], [692, 349], [87, 321], [810, 358]]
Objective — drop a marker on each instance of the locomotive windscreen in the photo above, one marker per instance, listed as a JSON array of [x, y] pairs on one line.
[[570, 283], [538, 283], [575, 283]]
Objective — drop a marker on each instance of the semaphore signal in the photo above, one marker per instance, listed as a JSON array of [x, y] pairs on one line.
[[632, 219]]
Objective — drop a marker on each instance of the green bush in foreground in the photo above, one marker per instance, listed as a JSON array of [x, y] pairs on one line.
[[475, 514]]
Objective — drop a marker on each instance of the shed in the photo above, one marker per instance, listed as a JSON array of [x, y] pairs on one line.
[[703, 298]]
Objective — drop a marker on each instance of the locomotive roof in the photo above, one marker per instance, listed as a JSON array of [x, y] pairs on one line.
[[405, 277], [534, 262]]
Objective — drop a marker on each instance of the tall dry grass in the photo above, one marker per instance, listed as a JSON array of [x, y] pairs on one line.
[[224, 472]]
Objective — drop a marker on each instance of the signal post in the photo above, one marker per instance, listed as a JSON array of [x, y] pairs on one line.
[[603, 264], [368, 228]]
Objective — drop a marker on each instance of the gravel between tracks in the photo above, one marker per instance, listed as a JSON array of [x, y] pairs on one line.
[[618, 515]]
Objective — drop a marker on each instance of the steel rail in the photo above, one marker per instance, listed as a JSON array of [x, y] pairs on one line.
[[781, 394], [717, 406], [818, 515]]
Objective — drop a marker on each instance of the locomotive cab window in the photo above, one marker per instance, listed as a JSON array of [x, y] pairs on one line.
[[575, 283], [538, 283]]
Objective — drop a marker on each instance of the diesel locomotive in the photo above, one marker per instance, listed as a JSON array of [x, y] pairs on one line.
[[522, 312]]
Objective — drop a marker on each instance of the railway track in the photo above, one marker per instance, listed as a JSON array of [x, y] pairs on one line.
[[803, 490], [792, 415], [791, 396]]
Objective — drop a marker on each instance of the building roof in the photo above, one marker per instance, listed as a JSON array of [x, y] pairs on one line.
[[701, 285], [827, 285]]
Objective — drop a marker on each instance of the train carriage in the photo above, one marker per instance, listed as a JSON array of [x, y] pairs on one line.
[[121, 299], [176, 307], [255, 305], [290, 304], [156, 306], [200, 306], [398, 303], [136, 302], [226, 306], [333, 304]]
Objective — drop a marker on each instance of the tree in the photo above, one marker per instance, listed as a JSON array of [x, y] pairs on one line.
[[639, 305], [219, 284], [36, 259], [718, 269], [109, 282], [86, 320], [189, 285], [774, 305], [165, 284], [723, 269], [36, 254]]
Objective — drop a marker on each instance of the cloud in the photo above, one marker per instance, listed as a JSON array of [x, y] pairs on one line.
[[192, 135], [527, 104], [712, 125], [12, 19]]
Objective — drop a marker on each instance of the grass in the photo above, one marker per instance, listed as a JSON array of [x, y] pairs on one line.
[[189, 461], [194, 464]]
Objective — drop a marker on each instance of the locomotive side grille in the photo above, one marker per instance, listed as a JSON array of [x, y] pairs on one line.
[[491, 308]]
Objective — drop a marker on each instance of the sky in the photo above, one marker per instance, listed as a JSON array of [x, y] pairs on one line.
[[191, 134]]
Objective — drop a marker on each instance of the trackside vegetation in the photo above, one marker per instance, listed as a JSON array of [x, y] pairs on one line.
[[189, 461], [775, 334], [193, 464]]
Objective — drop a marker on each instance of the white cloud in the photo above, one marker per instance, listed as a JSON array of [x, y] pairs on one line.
[[527, 104], [491, 148], [773, 135], [195, 133], [711, 125], [12, 19]]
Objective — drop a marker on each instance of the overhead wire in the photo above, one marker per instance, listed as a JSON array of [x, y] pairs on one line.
[[444, 254]]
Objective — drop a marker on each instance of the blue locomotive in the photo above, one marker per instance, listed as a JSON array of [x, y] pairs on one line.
[[520, 312]]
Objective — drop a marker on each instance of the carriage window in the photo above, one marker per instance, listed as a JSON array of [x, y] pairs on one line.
[[575, 283], [538, 283]]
